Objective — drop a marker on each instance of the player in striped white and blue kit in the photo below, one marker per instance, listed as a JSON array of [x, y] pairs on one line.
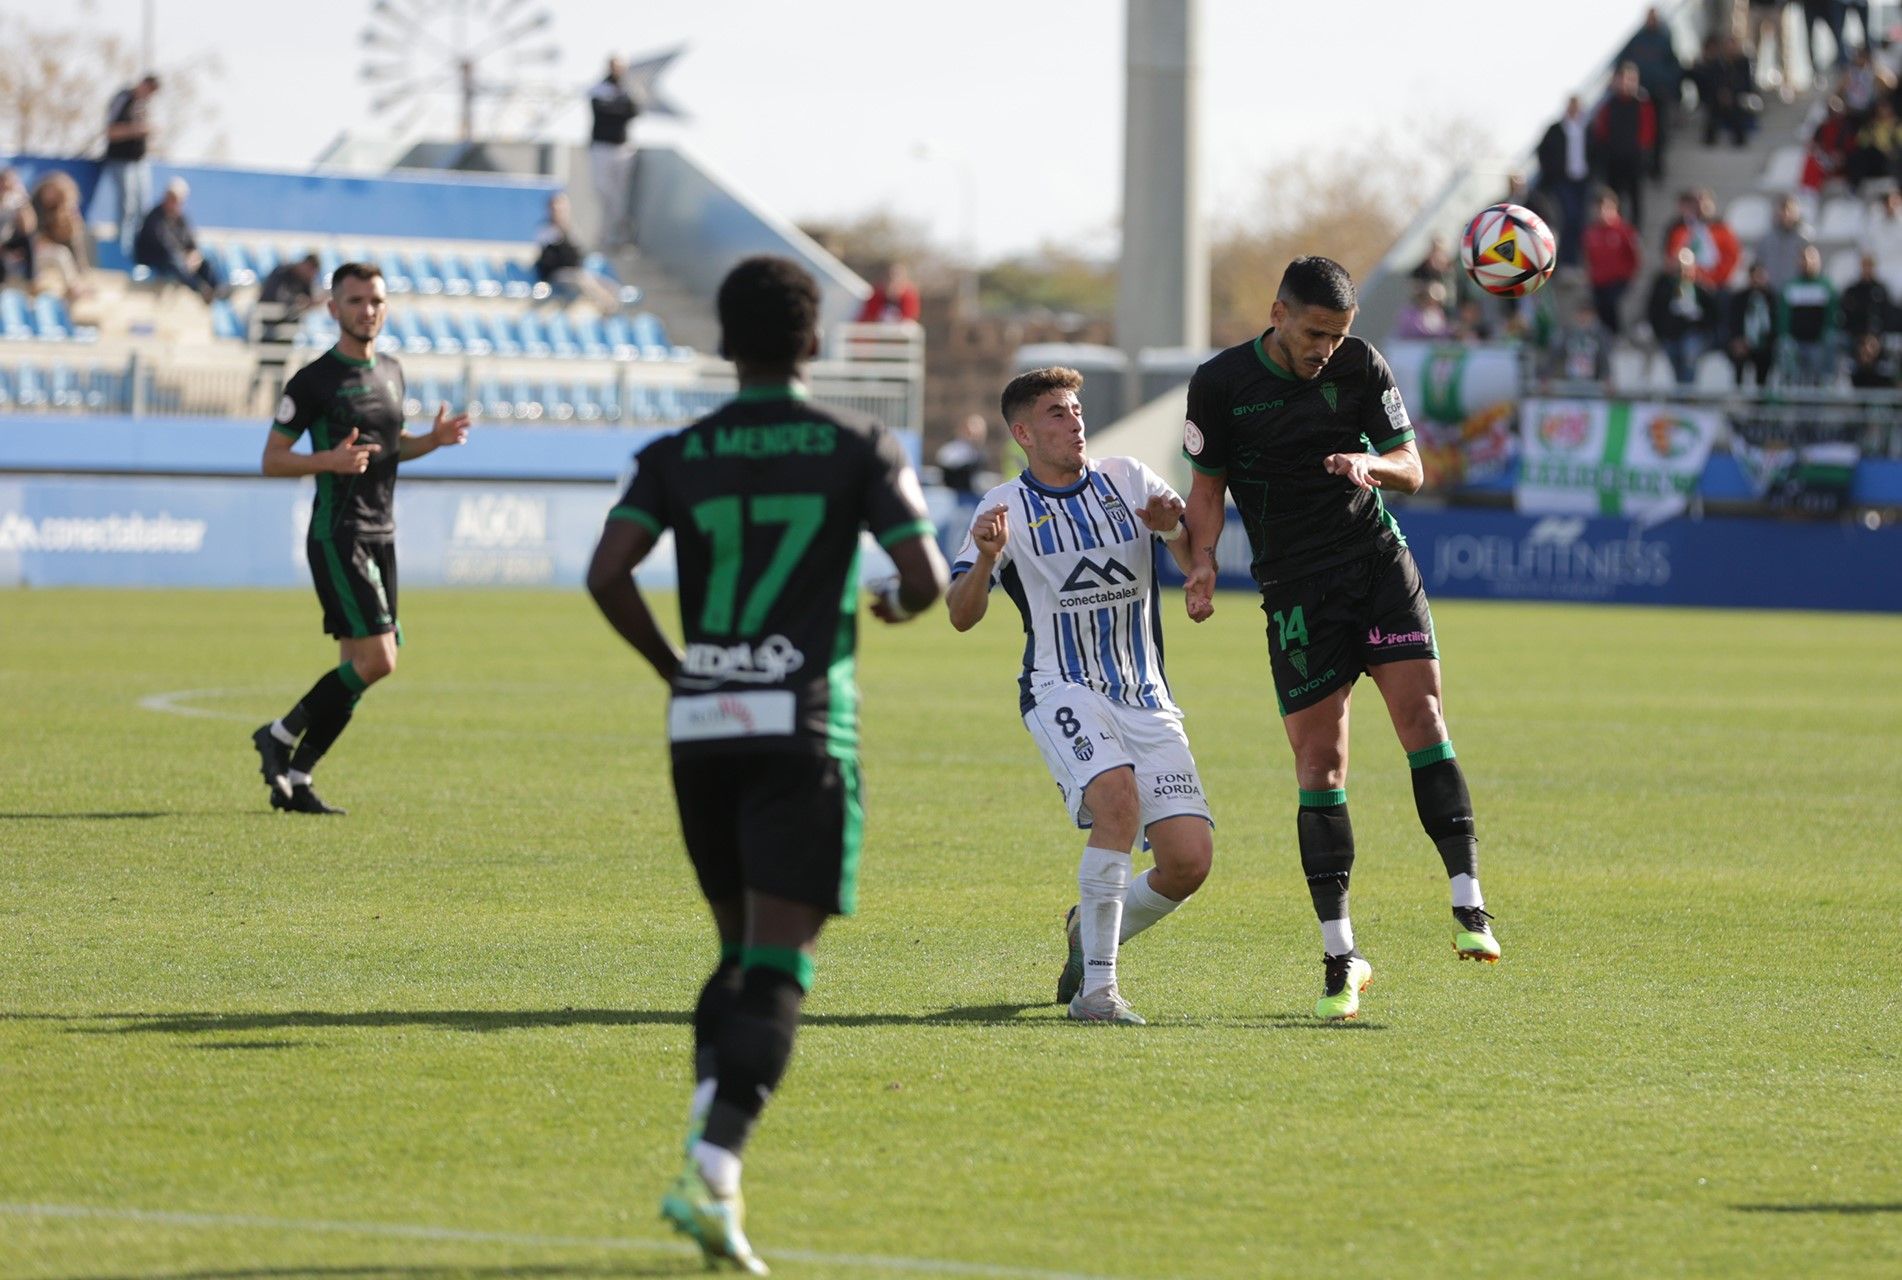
[[1073, 544]]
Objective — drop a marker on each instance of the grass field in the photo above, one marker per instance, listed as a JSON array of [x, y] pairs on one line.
[[447, 1036]]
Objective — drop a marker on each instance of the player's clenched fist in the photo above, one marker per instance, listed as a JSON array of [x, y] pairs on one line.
[[991, 530], [1198, 593]]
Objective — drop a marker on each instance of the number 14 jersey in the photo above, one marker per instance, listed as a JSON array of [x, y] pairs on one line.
[[1081, 569], [766, 497]]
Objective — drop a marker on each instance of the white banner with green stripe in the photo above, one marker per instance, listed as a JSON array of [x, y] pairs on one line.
[[1636, 459]]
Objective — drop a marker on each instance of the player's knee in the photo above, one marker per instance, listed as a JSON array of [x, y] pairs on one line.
[[1114, 803], [375, 665], [1184, 859]]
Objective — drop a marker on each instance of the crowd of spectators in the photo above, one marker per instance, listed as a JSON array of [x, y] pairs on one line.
[[1768, 305]]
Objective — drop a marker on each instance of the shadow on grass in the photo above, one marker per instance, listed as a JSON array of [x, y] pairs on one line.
[[482, 1020], [1847, 1210], [257, 1044], [527, 1270], [1308, 1022], [91, 817]]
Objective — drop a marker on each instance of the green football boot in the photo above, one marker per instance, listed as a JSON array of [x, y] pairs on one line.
[[1070, 981], [712, 1222], [1474, 938], [1347, 977]]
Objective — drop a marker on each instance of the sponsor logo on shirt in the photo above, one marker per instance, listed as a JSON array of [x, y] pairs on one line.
[[1175, 784], [1094, 582], [1192, 438], [768, 662], [286, 409], [1378, 639], [1396, 409]]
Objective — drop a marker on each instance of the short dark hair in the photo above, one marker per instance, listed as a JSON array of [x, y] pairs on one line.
[[1025, 389], [769, 311], [1318, 282], [354, 271]]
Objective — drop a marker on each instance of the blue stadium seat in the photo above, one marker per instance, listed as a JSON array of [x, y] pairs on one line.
[[521, 281], [522, 397], [493, 403], [62, 386], [484, 278], [530, 334], [651, 336], [441, 337], [619, 335], [590, 337], [423, 273], [30, 387], [236, 267], [15, 319], [469, 333], [328, 260], [587, 407], [640, 405], [557, 401], [225, 323], [608, 396], [669, 406], [561, 336], [456, 280], [387, 343], [500, 335], [6, 389], [396, 276], [407, 329], [264, 260]]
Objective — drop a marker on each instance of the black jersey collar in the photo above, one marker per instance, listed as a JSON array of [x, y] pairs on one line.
[[773, 391], [1031, 482]]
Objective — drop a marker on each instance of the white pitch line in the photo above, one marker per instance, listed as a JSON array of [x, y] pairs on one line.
[[453, 1235], [173, 702]]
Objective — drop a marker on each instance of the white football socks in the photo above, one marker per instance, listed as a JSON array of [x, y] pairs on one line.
[[1337, 936], [702, 1102], [1466, 891], [298, 778], [282, 734], [719, 1167], [1102, 878], [1143, 906]]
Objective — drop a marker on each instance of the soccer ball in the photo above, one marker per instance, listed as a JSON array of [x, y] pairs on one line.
[[1508, 250]]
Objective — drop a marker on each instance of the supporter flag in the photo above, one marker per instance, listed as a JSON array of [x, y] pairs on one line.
[[1612, 457]]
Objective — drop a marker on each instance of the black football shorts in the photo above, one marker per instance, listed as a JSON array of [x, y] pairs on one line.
[[356, 582], [785, 823], [1327, 628]]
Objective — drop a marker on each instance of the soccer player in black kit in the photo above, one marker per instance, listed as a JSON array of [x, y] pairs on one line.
[[350, 400], [1303, 427], [766, 498]]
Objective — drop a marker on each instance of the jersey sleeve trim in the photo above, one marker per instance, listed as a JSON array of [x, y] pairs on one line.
[[638, 516], [910, 529], [288, 432], [1395, 442], [961, 568], [1203, 467]]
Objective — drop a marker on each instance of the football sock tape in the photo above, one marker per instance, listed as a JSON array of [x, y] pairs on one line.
[[1327, 850]]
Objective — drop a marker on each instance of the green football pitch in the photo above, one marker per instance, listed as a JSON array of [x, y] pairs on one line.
[[447, 1035]]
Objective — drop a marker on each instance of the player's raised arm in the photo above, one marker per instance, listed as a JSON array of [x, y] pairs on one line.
[[970, 593], [448, 430]]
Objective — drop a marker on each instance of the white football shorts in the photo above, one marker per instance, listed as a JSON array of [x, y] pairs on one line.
[[1083, 735]]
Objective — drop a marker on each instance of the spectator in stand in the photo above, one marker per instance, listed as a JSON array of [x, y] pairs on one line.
[[1703, 231], [17, 225], [1565, 170], [1753, 327], [1474, 323], [1866, 306], [1870, 368], [128, 135], [894, 298], [62, 253], [1425, 316], [1652, 51], [612, 109], [1612, 258], [1826, 154], [1878, 147], [1625, 131], [1863, 83], [964, 461], [292, 287], [168, 247], [1883, 234], [1727, 89], [1581, 350], [1781, 249], [1808, 322], [1830, 14], [1767, 24], [559, 264], [1684, 316]]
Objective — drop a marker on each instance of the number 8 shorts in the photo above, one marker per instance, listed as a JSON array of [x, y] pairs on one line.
[[1083, 735]]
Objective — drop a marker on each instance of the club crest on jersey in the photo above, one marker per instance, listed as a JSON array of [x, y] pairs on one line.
[[1114, 506], [1083, 747], [1299, 657], [1331, 395]]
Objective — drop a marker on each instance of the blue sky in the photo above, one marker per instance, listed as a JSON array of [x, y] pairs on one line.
[[998, 121]]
